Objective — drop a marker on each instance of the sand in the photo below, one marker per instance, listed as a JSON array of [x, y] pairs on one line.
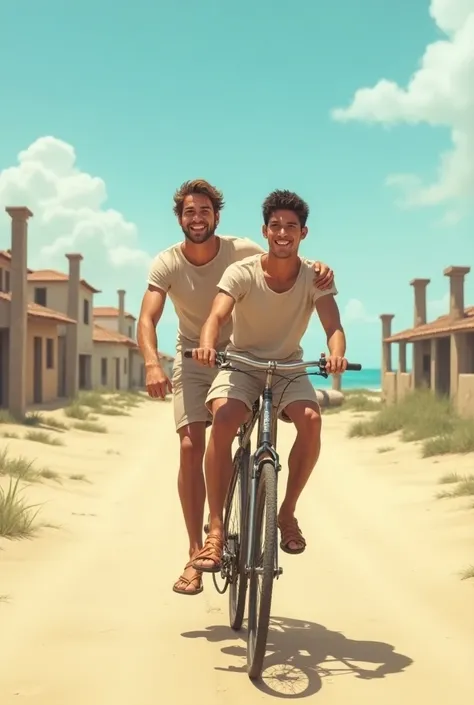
[[374, 611]]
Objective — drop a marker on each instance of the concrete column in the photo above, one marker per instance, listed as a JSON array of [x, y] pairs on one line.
[[402, 356], [121, 308], [336, 382], [456, 291], [419, 312], [18, 311], [72, 331], [386, 319], [417, 364], [459, 360], [434, 364]]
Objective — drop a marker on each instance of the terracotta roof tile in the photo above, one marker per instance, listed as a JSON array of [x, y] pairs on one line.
[[109, 312], [7, 255], [51, 275], [103, 335], [440, 326], [37, 311]]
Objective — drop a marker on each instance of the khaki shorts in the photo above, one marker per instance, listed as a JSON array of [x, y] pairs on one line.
[[247, 387], [191, 384]]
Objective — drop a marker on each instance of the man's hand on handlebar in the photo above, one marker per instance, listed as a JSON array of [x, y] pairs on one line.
[[335, 365], [205, 356]]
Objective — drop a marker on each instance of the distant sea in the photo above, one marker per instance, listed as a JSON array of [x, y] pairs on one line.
[[365, 379]]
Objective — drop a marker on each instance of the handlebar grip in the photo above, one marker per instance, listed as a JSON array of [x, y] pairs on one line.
[[188, 352], [353, 367]]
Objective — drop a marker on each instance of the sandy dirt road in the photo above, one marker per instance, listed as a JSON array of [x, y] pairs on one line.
[[372, 613]]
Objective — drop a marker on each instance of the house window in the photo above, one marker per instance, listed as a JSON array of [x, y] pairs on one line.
[[103, 372], [7, 280], [2, 288], [49, 353], [125, 365], [85, 316], [40, 296], [129, 331]]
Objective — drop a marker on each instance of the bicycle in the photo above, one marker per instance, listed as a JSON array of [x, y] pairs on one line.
[[244, 558]]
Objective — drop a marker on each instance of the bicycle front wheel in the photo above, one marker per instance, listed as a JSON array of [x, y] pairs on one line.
[[263, 570]]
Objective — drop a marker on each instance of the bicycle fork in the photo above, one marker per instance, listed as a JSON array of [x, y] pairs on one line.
[[265, 453]]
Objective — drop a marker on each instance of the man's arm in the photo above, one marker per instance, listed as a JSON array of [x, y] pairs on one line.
[[151, 310], [220, 314], [153, 303], [328, 312]]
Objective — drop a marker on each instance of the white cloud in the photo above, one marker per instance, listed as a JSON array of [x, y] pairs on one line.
[[355, 312], [70, 216], [440, 93]]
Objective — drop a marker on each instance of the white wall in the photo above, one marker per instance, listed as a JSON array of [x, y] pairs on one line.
[[111, 352]]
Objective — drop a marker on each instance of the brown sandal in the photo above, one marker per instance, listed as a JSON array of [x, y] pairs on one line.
[[196, 582], [211, 551], [291, 533]]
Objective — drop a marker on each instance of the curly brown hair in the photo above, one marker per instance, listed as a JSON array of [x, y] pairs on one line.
[[283, 200], [197, 186]]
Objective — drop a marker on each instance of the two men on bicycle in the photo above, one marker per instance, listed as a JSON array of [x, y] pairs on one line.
[[188, 273], [270, 299]]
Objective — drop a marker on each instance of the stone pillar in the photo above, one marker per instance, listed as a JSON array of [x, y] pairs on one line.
[[456, 291], [386, 319], [121, 308], [72, 330], [336, 382], [419, 312], [459, 361], [402, 356], [434, 365], [18, 311], [417, 364]]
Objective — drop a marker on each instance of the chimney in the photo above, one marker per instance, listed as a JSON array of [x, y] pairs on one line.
[[420, 300], [18, 311], [456, 290], [121, 308], [386, 319], [72, 331]]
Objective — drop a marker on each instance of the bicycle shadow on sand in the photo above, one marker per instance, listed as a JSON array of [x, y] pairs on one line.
[[301, 653]]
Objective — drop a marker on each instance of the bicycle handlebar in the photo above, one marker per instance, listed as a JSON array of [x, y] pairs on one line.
[[223, 357]]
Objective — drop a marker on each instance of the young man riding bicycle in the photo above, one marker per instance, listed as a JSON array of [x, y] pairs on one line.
[[270, 299], [188, 273]]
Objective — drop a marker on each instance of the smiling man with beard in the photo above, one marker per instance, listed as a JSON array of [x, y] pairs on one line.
[[188, 272]]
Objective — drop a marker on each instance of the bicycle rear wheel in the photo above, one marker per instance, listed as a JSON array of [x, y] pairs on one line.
[[263, 570], [235, 532]]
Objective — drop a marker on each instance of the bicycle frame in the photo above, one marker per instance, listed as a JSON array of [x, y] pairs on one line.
[[266, 451]]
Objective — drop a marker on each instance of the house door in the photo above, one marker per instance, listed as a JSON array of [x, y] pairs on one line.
[[117, 373], [37, 370], [62, 366]]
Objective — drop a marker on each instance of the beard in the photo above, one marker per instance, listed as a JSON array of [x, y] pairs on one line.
[[199, 238]]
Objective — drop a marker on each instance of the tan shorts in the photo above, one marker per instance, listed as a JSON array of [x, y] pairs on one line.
[[191, 384], [247, 387]]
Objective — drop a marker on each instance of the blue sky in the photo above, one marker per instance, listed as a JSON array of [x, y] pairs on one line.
[[151, 94]]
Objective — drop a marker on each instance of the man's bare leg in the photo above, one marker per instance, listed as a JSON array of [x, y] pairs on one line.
[[228, 415], [301, 462], [192, 493]]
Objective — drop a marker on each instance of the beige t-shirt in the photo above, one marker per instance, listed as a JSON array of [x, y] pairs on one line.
[[267, 324], [192, 288]]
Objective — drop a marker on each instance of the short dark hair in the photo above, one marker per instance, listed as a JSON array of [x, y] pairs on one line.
[[287, 201], [197, 186]]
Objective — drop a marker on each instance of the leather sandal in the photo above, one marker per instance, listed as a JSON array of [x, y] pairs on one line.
[[196, 582], [291, 533], [211, 551]]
